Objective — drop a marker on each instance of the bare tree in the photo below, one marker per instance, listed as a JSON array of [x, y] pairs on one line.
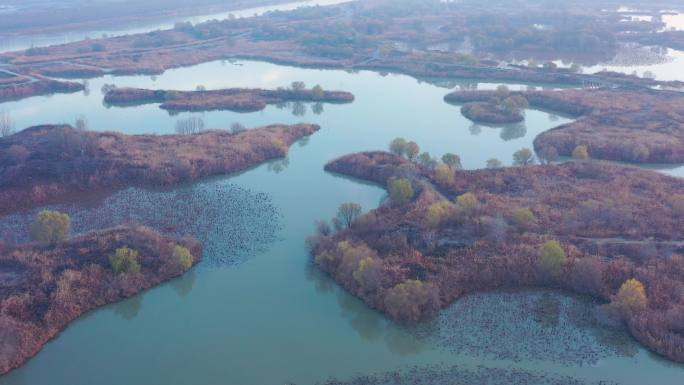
[[189, 126], [348, 213], [6, 124], [237, 127]]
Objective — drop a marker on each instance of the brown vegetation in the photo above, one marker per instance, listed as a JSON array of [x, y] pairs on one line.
[[47, 164], [379, 35], [486, 112], [586, 227], [42, 86], [639, 126], [44, 288], [234, 99]]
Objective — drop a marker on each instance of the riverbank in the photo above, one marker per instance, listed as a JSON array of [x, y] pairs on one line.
[[50, 164], [559, 226], [51, 286]]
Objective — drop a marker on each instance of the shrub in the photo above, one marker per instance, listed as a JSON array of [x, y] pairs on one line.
[[369, 274], [411, 300], [437, 213], [468, 203], [183, 256], [124, 260], [580, 152], [523, 218], [400, 190], [50, 227], [552, 257], [631, 298]]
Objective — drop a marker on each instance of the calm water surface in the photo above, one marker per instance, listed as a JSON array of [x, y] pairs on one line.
[[273, 319]]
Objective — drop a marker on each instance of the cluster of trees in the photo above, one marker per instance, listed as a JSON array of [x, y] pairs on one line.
[[190, 125], [493, 230]]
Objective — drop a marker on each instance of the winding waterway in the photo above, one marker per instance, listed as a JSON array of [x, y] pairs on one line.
[[273, 319]]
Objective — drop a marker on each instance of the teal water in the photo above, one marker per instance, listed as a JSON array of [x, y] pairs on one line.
[[274, 319]]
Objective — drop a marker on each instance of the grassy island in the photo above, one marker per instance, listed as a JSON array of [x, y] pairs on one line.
[[485, 112], [611, 232], [234, 99], [50, 164], [44, 287], [638, 126]]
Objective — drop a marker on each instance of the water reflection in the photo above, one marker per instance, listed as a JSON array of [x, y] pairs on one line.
[[278, 166], [129, 308], [184, 284], [513, 131], [368, 324]]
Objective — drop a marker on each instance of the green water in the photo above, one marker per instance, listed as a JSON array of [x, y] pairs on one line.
[[273, 319]]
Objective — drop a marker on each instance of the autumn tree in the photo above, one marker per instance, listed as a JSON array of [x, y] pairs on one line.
[[580, 152], [502, 91], [183, 256], [369, 273], [523, 157], [50, 227], [125, 260], [452, 160], [515, 104], [437, 213], [552, 258], [523, 218], [444, 175], [398, 146], [631, 298], [468, 204], [348, 213], [400, 190], [411, 300], [412, 150]]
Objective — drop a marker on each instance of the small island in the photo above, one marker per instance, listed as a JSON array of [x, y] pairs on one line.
[[233, 99], [627, 125], [51, 164], [445, 232], [45, 285], [24, 86], [501, 108]]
